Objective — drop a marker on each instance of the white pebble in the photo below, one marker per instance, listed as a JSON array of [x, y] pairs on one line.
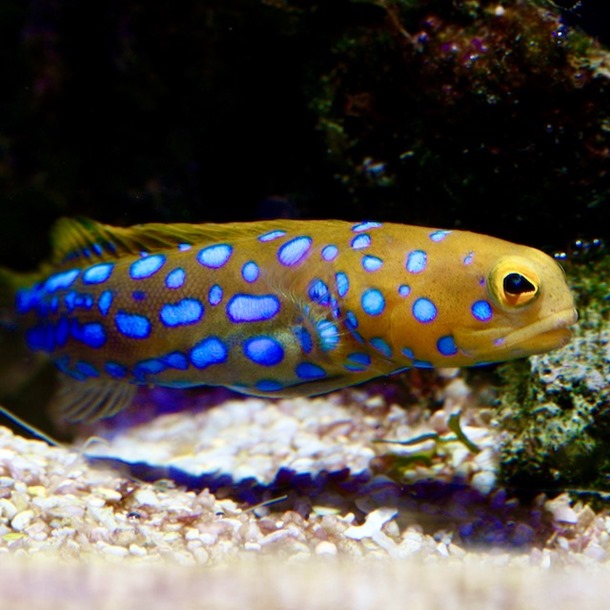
[[21, 520], [192, 533], [146, 496], [110, 495], [326, 548], [275, 537], [561, 510], [373, 523], [7, 508], [484, 481], [201, 555], [252, 546], [115, 551], [136, 550]]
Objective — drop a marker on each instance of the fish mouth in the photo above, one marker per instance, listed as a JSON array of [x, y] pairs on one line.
[[550, 333]]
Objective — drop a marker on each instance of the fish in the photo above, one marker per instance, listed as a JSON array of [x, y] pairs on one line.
[[277, 307]]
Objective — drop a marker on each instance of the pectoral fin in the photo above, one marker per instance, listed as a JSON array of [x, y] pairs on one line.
[[92, 399]]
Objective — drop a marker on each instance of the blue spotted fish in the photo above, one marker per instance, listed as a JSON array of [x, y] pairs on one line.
[[279, 308]]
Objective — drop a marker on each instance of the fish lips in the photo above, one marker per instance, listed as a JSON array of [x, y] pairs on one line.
[[504, 343]]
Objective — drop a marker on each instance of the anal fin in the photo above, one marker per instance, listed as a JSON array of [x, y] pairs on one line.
[[91, 399]]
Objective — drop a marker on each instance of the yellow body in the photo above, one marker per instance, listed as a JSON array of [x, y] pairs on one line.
[[283, 307]]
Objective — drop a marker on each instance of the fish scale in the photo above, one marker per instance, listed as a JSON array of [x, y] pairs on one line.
[[280, 307]]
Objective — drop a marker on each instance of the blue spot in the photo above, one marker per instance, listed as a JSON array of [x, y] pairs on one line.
[[208, 352], [41, 337], [304, 338], [328, 335], [62, 331], [423, 364], [372, 302], [62, 280], [406, 351], [294, 251], [329, 253], [215, 256], [365, 226], [253, 308], [186, 311], [357, 362], [306, 370], [116, 370], [351, 321], [469, 258], [75, 299], [361, 241], [146, 267], [27, 298], [85, 369], [176, 360], [371, 263], [63, 364], [271, 235], [105, 302], [265, 351], [215, 295], [132, 325], [482, 311], [143, 368], [404, 290], [424, 310], [250, 272], [175, 278], [335, 309], [90, 333], [268, 385], [318, 292], [98, 274], [81, 300], [446, 346], [342, 283], [138, 295], [184, 247], [416, 261], [439, 235], [69, 300], [382, 346]]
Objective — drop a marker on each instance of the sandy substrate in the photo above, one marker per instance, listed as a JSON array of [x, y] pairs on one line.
[[345, 524]]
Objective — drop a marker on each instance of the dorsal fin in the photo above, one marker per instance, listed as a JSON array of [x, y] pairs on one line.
[[82, 238]]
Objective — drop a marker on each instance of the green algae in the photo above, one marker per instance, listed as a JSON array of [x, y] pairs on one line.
[[446, 105], [408, 110], [555, 407]]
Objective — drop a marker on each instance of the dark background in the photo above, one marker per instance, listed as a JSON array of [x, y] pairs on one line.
[[199, 111]]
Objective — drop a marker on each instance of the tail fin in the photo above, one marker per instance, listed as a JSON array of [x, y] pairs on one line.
[[8, 289], [13, 352], [21, 371], [10, 283]]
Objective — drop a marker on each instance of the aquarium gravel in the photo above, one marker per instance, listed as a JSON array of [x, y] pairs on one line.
[[295, 483]]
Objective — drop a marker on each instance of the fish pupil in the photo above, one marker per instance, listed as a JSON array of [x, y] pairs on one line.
[[515, 283]]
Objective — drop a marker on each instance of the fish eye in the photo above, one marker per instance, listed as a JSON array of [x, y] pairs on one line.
[[514, 283]]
